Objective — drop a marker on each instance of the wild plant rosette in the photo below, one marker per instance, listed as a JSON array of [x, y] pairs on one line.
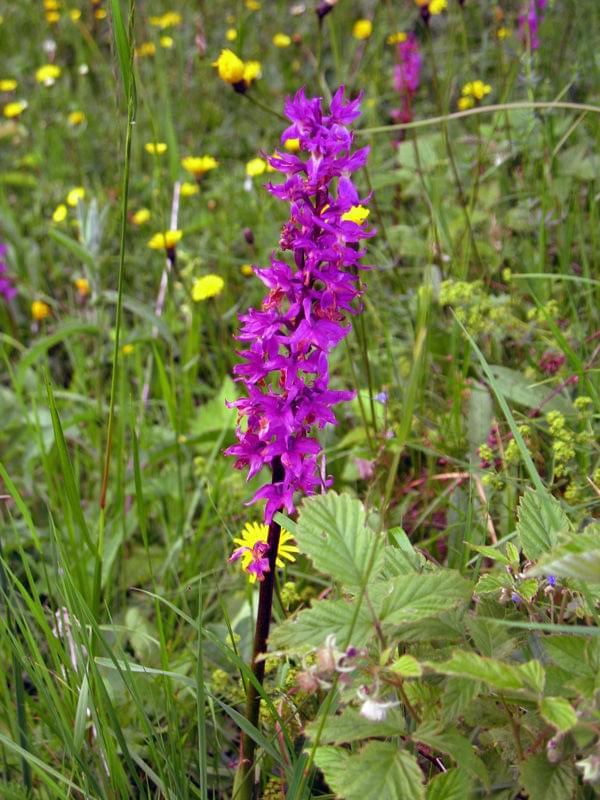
[[304, 314]]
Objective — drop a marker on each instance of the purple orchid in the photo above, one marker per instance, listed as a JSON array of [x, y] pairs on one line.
[[7, 290], [285, 365], [407, 76], [529, 21]]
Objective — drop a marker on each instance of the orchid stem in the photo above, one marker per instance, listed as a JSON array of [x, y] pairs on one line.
[[243, 787]]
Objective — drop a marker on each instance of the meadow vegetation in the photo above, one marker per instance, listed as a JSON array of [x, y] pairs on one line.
[[435, 603]]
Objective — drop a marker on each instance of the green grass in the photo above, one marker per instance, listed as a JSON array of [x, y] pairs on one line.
[[124, 633]]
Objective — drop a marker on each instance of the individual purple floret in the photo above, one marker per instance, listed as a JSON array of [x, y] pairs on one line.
[[407, 76], [287, 341], [7, 290]]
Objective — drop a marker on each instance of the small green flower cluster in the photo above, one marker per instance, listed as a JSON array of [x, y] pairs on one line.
[[563, 441], [478, 311]]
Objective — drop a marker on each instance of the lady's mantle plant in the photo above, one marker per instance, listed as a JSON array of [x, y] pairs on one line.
[[313, 287]]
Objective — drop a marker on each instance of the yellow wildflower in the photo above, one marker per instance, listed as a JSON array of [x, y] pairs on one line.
[[167, 42], [396, 38], [198, 165], [127, 349], [253, 5], [165, 241], [282, 40], [47, 74], [52, 17], [83, 286], [141, 216], [155, 148], [252, 71], [362, 29], [472, 92], [75, 14], [60, 213], [75, 195], [207, 286], [231, 34], [230, 67], [76, 118], [8, 85], [188, 189], [246, 270], [145, 49], [465, 103], [503, 33], [100, 13], [255, 167], [12, 110], [167, 20], [357, 214], [437, 6], [257, 533], [51, 5], [40, 310], [293, 145]]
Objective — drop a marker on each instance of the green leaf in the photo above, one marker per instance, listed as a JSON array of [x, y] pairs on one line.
[[407, 666], [489, 552], [497, 674], [311, 626], [381, 771], [516, 387], [458, 693], [76, 249], [141, 310], [569, 653], [545, 781], [558, 712], [493, 582], [577, 558], [541, 520], [411, 597], [458, 747], [332, 531], [350, 726], [454, 784], [44, 343]]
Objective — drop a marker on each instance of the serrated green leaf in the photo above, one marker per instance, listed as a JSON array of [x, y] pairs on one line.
[[577, 558], [458, 747], [407, 666], [454, 784], [528, 588], [411, 597], [569, 653], [311, 626], [492, 582], [497, 674], [490, 552], [541, 521], [350, 726], [558, 712], [333, 533], [458, 693], [545, 781], [381, 771]]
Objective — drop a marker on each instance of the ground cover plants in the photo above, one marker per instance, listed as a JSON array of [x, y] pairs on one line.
[[299, 345]]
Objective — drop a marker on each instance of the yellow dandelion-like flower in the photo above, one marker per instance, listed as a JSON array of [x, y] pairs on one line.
[[255, 167], [198, 165], [247, 270], [75, 195], [145, 49], [396, 38], [357, 214], [127, 349], [229, 66], [168, 20], [40, 310], [502, 33], [252, 550], [252, 71], [231, 34], [207, 286], [52, 17], [167, 42], [76, 118], [74, 14], [141, 216], [14, 109], [155, 148], [100, 13], [292, 145], [8, 85], [253, 5], [47, 74], [437, 6], [362, 29], [165, 241], [83, 286], [465, 103], [60, 213], [51, 5], [282, 40], [188, 189]]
